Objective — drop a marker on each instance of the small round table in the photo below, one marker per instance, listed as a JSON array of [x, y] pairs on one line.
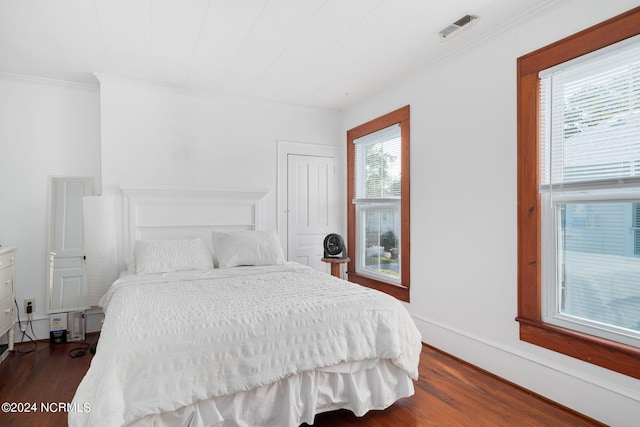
[[335, 265]]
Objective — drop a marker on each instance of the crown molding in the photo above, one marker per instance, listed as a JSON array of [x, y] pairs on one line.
[[48, 81]]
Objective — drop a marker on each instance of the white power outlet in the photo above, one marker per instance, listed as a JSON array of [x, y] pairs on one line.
[[33, 304]]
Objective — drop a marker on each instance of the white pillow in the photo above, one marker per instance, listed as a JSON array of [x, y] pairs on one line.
[[162, 256], [247, 248]]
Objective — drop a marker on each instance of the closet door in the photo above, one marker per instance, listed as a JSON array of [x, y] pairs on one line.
[[311, 213], [67, 277]]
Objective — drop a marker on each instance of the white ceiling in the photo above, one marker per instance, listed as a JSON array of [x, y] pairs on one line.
[[320, 53]]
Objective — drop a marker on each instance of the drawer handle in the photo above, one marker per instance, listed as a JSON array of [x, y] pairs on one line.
[[8, 311]]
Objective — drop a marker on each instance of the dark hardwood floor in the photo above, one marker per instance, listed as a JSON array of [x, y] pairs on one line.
[[449, 393], [46, 375]]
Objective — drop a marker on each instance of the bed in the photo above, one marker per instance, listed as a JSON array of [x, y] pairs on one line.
[[210, 326]]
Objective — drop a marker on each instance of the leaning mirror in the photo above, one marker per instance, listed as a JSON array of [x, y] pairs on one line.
[[66, 272]]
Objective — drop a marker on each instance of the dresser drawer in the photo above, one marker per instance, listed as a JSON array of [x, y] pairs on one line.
[[6, 260], [6, 281], [6, 313]]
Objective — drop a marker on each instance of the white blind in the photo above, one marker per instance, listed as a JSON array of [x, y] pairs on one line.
[[590, 120], [377, 158]]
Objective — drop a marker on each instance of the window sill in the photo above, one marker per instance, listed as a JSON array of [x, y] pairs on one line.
[[621, 358], [398, 291]]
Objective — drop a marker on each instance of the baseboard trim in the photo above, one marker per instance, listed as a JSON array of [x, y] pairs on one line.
[[40, 326], [445, 337]]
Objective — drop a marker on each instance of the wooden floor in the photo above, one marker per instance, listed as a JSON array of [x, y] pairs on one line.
[[448, 393]]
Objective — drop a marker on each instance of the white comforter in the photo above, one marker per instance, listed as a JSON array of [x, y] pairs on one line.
[[171, 340]]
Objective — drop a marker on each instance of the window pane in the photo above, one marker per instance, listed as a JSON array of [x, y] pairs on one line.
[[378, 164], [380, 241], [590, 118], [598, 269]]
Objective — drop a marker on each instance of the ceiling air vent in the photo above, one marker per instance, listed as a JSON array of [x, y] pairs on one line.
[[451, 29]]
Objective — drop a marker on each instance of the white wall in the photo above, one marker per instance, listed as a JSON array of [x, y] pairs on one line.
[[158, 135], [130, 133], [463, 213], [46, 128]]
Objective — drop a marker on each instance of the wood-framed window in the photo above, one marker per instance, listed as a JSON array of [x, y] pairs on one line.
[[378, 236], [537, 211]]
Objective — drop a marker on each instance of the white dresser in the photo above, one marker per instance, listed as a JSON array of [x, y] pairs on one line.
[[6, 299]]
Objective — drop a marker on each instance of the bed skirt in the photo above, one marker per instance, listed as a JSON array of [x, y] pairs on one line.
[[358, 387]]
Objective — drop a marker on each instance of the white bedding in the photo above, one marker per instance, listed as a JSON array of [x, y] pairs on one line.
[[172, 340]]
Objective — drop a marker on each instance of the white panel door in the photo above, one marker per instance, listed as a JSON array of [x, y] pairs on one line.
[[67, 273], [311, 207]]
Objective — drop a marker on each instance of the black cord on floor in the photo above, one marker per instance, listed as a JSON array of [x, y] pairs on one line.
[[82, 349], [79, 351], [73, 353], [24, 331]]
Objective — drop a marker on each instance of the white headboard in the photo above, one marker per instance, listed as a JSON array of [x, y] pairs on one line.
[[153, 212]]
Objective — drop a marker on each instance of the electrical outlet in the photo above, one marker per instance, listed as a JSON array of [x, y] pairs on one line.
[[33, 304]]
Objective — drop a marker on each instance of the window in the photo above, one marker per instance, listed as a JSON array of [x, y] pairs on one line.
[[578, 188], [378, 205], [590, 159]]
